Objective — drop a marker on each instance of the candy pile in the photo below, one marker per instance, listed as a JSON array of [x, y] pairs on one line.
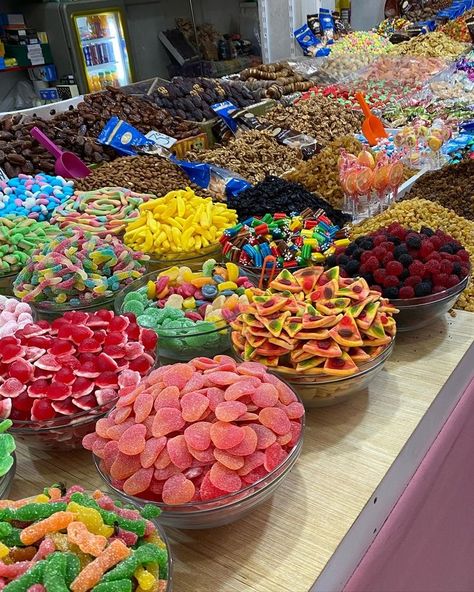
[[293, 240], [361, 42], [77, 268], [103, 211], [19, 237], [35, 197], [70, 540], [76, 363], [7, 447], [186, 307], [197, 431], [13, 315], [180, 222], [434, 45], [458, 29], [278, 195], [314, 321], [402, 263]]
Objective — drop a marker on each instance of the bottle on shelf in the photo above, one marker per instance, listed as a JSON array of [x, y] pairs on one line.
[[115, 80], [104, 25], [102, 81], [95, 83], [109, 80]]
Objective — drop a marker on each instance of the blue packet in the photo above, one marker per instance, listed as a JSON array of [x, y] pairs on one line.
[[123, 137], [327, 25], [309, 43]]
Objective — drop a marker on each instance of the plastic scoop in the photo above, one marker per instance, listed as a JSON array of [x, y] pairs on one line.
[[67, 164], [372, 127]]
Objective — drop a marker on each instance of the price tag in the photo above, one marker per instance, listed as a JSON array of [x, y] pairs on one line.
[[161, 139]]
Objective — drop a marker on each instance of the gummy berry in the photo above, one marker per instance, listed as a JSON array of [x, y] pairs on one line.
[[403, 276], [432, 266], [437, 242], [352, 268], [453, 280], [372, 263], [457, 269], [399, 251], [331, 261], [388, 246], [406, 292], [42, 410], [388, 257], [417, 268], [425, 249], [363, 269], [394, 268], [405, 259], [426, 231], [395, 240], [366, 255], [441, 279], [367, 244], [446, 266], [422, 289], [357, 254], [342, 260], [379, 275], [391, 280], [463, 254], [379, 252], [438, 288], [368, 277], [390, 292], [378, 240], [414, 242]]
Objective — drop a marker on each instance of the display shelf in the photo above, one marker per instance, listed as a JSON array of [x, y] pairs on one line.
[[22, 68], [96, 40], [348, 449]]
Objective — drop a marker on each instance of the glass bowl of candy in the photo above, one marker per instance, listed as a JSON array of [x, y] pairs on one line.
[[94, 542], [6, 480], [59, 377], [416, 313], [189, 307], [51, 311], [205, 456], [6, 283], [7, 458], [184, 258]]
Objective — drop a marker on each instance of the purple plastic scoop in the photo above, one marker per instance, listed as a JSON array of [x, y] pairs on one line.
[[67, 164]]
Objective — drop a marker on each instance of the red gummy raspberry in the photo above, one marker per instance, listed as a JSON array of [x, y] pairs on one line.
[[388, 257], [446, 266], [379, 252], [437, 288], [366, 255], [379, 275], [432, 266], [372, 263], [463, 254], [425, 249], [391, 280], [406, 292], [389, 246], [453, 280], [416, 268], [394, 268], [412, 281]]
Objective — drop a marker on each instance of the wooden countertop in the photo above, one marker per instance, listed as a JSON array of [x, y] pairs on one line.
[[285, 543]]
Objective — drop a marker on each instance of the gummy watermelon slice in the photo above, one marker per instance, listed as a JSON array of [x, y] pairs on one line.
[[38, 388], [11, 388], [5, 408], [81, 387], [48, 362], [105, 363], [65, 407], [86, 403]]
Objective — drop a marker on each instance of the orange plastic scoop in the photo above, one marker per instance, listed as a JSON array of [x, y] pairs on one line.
[[372, 127]]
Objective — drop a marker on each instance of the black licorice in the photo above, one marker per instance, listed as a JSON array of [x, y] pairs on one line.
[[274, 194]]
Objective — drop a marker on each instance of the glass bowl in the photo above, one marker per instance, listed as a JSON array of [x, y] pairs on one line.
[[64, 432], [416, 313], [49, 311], [6, 283], [181, 258], [317, 390], [220, 511], [7, 479]]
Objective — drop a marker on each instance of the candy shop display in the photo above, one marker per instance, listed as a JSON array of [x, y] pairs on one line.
[[458, 29], [77, 269], [179, 224], [369, 184], [420, 146], [252, 154], [361, 42], [279, 195], [34, 196], [321, 174], [58, 378], [205, 441], [73, 540], [102, 211], [293, 241], [431, 45], [273, 80], [14, 315], [189, 307]]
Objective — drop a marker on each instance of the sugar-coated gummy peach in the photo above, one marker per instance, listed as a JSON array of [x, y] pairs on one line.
[[178, 490], [225, 435], [275, 419]]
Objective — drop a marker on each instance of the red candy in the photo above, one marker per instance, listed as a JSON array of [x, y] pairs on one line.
[[197, 431], [62, 368]]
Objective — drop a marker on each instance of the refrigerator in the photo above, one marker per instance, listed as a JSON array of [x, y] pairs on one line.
[[88, 39]]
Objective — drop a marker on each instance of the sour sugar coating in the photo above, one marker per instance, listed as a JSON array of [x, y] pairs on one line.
[[14, 315], [102, 211], [58, 550], [216, 428], [78, 268], [7, 447]]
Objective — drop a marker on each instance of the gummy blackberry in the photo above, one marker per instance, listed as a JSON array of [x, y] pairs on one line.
[[426, 231], [399, 251], [352, 268], [390, 292], [343, 260], [395, 240], [367, 244], [414, 242], [331, 261], [448, 248], [357, 254], [457, 269], [422, 289], [405, 259], [404, 275]]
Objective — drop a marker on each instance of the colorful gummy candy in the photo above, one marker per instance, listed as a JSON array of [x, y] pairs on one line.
[[316, 322], [294, 240], [185, 307], [19, 237], [71, 540], [180, 222], [14, 315], [76, 363], [34, 196], [197, 431], [7, 447], [103, 211], [77, 268]]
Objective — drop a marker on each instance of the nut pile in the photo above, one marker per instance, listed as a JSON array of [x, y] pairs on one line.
[[274, 80], [321, 173], [452, 187], [417, 213], [434, 45], [142, 174], [191, 98], [321, 117], [253, 155]]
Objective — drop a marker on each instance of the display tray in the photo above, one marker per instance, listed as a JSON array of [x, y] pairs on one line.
[[348, 449]]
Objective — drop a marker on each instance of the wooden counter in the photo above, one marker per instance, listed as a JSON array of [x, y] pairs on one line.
[[285, 543]]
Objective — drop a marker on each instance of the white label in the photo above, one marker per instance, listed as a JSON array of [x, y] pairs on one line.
[[161, 139]]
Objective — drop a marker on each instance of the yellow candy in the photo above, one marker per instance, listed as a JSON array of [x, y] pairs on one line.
[[189, 303], [60, 541], [41, 499], [232, 271], [227, 286], [151, 290], [4, 550], [342, 242], [317, 257], [91, 518], [144, 578]]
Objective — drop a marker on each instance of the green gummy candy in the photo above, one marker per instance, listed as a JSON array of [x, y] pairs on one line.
[[7, 444], [208, 266], [54, 575], [5, 465], [147, 321], [149, 512], [133, 306], [73, 567], [147, 553], [32, 576], [32, 512], [115, 586], [13, 538], [5, 529], [5, 425]]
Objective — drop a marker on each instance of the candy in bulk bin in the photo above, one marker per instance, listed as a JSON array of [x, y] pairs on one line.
[[326, 334], [178, 227], [73, 540], [14, 315], [57, 379], [77, 270], [205, 441], [422, 272], [7, 458], [189, 307], [34, 196], [102, 211]]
